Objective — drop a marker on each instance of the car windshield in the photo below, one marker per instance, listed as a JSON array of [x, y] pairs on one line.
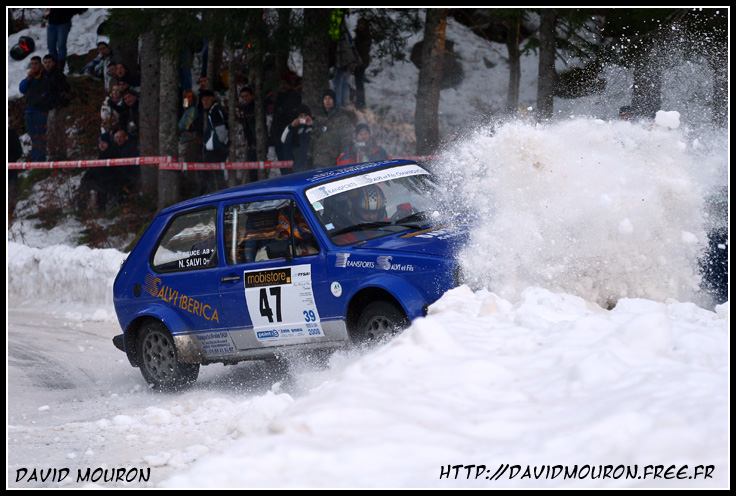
[[376, 204]]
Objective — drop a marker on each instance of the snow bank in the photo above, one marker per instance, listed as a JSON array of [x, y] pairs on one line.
[[551, 379], [62, 274]]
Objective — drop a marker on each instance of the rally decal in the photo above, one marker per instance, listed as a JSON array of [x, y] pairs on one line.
[[319, 193], [180, 301], [281, 303], [385, 262], [342, 261], [444, 231]]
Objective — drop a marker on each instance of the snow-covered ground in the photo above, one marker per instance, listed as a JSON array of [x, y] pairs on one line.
[[515, 383]]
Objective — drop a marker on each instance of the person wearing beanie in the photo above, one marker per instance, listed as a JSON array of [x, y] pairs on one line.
[[104, 144], [331, 132], [363, 148], [297, 136], [331, 93]]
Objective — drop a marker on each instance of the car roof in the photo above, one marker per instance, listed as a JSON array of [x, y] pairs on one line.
[[291, 183]]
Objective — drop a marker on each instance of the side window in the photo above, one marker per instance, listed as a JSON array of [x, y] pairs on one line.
[[189, 243], [261, 230]]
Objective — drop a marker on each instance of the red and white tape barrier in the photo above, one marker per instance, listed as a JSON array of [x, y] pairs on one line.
[[170, 163]]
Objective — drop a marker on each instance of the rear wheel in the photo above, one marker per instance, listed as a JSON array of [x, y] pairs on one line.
[[159, 361], [379, 321]]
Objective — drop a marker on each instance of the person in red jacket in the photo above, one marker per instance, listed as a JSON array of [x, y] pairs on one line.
[[363, 148]]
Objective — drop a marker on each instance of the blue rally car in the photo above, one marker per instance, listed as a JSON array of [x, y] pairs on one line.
[[309, 261]]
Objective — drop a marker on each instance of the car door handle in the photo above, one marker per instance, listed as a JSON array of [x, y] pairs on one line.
[[231, 278]]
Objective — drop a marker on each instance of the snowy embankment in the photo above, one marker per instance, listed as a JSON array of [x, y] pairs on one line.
[[548, 381], [62, 274]]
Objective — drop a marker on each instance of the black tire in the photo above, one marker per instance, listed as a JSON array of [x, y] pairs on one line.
[[159, 361], [378, 322]]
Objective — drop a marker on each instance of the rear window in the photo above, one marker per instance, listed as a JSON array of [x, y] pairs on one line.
[[189, 243]]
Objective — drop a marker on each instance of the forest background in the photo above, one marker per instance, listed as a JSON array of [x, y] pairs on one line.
[[257, 46]]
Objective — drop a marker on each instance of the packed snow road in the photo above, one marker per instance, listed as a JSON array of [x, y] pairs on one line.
[[79, 414]]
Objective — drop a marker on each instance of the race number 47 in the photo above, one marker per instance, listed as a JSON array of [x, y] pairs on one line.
[[265, 304]]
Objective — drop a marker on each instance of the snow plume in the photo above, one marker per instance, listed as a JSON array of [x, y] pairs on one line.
[[602, 210]]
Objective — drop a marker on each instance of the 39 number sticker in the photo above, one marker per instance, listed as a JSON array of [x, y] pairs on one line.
[[281, 303]]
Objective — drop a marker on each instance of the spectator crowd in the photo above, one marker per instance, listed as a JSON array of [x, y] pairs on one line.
[[310, 138]]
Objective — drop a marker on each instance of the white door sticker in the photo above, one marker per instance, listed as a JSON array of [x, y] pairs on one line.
[[281, 303]]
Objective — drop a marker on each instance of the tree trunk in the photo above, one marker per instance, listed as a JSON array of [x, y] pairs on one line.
[[315, 54], [426, 119], [232, 116], [282, 36], [514, 38], [149, 111], [214, 57], [547, 74], [168, 181], [255, 76]]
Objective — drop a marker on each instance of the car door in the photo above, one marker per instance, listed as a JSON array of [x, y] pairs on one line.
[[184, 270], [273, 275]]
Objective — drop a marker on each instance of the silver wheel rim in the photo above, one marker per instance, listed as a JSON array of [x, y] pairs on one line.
[[379, 327], [159, 356]]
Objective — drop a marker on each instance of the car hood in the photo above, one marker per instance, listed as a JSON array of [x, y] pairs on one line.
[[441, 240]]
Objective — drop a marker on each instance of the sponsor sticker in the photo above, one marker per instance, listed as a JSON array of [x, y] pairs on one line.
[[281, 303], [152, 285], [321, 192], [336, 289]]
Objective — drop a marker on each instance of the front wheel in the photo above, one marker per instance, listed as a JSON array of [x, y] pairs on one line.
[[159, 361], [379, 321]]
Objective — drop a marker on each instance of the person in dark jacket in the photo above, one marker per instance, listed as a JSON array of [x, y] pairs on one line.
[[127, 175], [190, 129], [285, 110], [102, 180], [61, 91], [61, 96], [215, 139], [297, 136], [248, 121], [363, 148], [129, 114], [37, 89], [331, 132]]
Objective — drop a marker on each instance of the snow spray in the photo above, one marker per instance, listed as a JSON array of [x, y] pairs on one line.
[[599, 209]]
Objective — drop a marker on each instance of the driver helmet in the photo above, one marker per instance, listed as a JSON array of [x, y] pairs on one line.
[[368, 204], [285, 226]]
